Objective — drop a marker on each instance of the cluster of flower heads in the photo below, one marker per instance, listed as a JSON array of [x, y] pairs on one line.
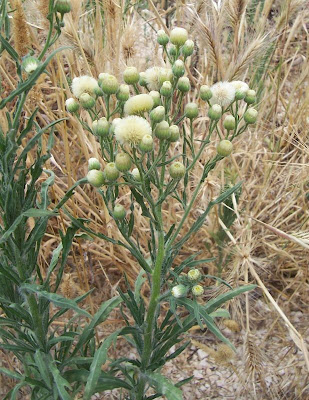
[[190, 283]]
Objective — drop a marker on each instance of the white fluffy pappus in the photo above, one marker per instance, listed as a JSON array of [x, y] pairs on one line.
[[155, 76], [138, 104], [240, 86], [84, 84], [223, 93], [132, 129]]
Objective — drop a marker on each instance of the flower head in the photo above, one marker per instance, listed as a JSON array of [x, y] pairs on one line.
[[155, 76], [179, 36], [138, 104], [131, 130], [223, 93], [84, 84], [179, 291], [240, 86]]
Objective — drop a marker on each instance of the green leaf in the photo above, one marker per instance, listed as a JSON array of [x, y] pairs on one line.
[[60, 382], [40, 361], [11, 374], [220, 313], [99, 359], [138, 284], [164, 386]]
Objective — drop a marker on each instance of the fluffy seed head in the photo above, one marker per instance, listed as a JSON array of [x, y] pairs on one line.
[[223, 93], [131, 130], [155, 76], [179, 36], [138, 104], [84, 84], [179, 291]]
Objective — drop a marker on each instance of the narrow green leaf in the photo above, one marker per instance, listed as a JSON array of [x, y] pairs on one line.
[[40, 361], [11, 374], [220, 313], [164, 386], [60, 382]]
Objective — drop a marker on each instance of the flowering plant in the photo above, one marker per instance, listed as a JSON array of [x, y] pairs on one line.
[[140, 136]]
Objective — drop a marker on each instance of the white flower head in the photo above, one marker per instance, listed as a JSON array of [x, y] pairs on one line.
[[138, 104], [84, 84], [132, 129], [240, 86], [223, 93], [155, 76]]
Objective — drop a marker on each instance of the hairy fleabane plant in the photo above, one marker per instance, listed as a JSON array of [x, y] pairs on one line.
[[137, 136]]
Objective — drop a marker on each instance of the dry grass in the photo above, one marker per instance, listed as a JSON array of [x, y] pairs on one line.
[[270, 238]]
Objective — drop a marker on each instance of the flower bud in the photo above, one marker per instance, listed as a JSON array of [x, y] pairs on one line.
[[123, 162], [93, 163], [71, 105], [63, 6], [119, 212], [111, 172], [166, 89], [172, 51], [179, 36], [155, 97], [157, 114], [162, 37], [183, 84], [250, 116], [123, 93], [250, 97], [197, 290], [100, 127], [215, 112], [162, 130], [224, 148], [86, 101], [179, 291], [30, 64], [205, 93], [108, 83], [96, 178], [136, 174], [142, 79], [131, 75], [98, 91], [178, 68], [177, 170], [191, 110], [240, 94], [188, 47], [146, 144], [229, 123], [194, 275], [174, 131]]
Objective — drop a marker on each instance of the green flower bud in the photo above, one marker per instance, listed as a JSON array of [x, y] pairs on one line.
[[250, 97], [240, 94], [108, 83], [250, 116], [96, 178], [100, 127], [123, 162], [72, 105], [162, 37], [191, 110], [30, 64], [136, 175], [179, 36], [224, 148], [131, 75], [177, 170], [166, 89], [86, 101], [146, 144], [215, 112], [205, 93], [142, 79], [188, 47], [174, 131], [63, 6], [183, 85], [194, 275], [111, 172], [98, 91], [93, 163], [119, 212], [229, 123], [172, 51], [162, 130], [157, 114], [179, 291], [197, 290], [178, 68], [155, 97], [123, 93]]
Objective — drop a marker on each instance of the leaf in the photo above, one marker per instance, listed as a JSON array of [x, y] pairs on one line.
[[40, 361], [164, 386], [220, 313], [11, 374], [99, 359], [140, 200], [60, 382], [138, 284]]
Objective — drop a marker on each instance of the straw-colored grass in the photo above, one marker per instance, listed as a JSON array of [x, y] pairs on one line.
[[269, 239]]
